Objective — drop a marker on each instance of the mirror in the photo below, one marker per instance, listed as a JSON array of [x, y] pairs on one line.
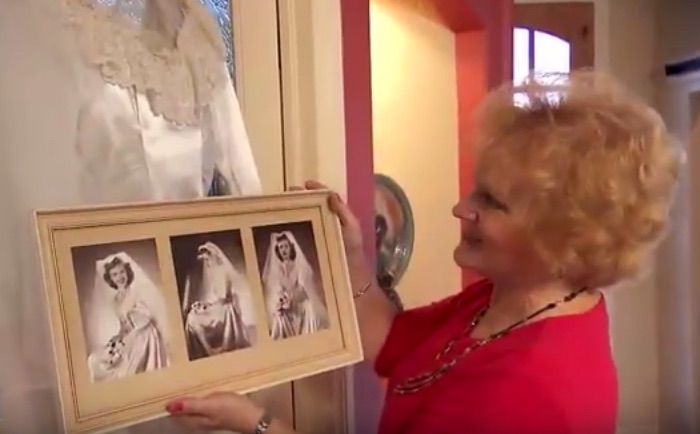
[[394, 230]]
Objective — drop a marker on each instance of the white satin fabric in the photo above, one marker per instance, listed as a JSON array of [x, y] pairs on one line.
[[67, 138], [129, 154]]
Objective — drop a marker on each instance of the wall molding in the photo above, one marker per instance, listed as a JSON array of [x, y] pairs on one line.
[[313, 113], [311, 63], [258, 85]]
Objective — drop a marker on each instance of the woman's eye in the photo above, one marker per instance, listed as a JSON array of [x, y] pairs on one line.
[[485, 198]]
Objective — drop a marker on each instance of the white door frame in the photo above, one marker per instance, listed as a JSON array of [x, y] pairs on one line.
[[291, 88], [313, 113], [292, 96], [313, 91], [258, 85]]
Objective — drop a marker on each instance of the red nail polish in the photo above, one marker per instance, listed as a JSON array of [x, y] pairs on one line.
[[175, 407]]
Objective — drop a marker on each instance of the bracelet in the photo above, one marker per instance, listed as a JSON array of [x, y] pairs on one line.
[[263, 424], [362, 291]]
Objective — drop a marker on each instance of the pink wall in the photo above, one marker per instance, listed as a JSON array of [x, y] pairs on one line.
[[358, 112], [496, 17], [484, 61], [484, 56]]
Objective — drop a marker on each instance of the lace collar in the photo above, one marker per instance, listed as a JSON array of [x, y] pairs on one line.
[[178, 75]]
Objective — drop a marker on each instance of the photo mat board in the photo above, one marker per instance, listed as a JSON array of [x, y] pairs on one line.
[[153, 301]]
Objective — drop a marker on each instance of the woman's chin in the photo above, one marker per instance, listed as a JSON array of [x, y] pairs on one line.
[[466, 257]]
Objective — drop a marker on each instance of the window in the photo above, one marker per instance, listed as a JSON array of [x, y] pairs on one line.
[[221, 11], [538, 51]]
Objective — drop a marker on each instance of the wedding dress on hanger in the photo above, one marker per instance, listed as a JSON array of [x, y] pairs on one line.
[[101, 101]]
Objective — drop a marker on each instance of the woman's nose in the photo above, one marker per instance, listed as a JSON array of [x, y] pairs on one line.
[[464, 210]]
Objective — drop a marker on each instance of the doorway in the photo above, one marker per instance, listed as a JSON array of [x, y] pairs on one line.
[[432, 63]]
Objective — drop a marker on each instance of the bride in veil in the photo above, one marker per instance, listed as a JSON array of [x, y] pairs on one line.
[[294, 301], [216, 305], [139, 344]]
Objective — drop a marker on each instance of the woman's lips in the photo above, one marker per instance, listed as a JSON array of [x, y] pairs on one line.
[[472, 239]]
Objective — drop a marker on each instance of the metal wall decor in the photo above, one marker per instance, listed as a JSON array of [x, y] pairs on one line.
[[394, 230]]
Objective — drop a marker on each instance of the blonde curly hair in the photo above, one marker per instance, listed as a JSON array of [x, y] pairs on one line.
[[588, 168]]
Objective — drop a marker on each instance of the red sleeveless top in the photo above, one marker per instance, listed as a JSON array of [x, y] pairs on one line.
[[554, 376]]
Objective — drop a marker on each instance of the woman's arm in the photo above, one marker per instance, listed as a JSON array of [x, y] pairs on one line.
[[375, 312]]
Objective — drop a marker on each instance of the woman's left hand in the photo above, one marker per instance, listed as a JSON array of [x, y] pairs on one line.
[[218, 411]]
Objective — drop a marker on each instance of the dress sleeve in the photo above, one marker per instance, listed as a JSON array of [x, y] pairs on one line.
[[409, 329], [227, 154]]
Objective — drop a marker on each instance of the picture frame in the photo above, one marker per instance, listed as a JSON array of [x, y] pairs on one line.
[[153, 301]]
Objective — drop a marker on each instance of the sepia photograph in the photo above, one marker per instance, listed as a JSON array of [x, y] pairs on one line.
[[189, 298], [122, 308], [215, 295], [290, 274]]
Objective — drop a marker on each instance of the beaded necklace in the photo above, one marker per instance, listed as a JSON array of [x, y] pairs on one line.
[[418, 382]]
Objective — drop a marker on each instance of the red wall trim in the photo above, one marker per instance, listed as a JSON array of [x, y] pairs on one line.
[[359, 155], [483, 59], [358, 113], [472, 85]]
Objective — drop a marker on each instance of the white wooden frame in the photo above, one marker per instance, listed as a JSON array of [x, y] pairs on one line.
[[305, 85], [311, 62], [313, 92], [676, 272], [258, 84], [96, 406]]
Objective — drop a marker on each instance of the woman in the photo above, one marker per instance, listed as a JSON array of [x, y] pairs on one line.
[[294, 302], [214, 320], [573, 186], [139, 344]]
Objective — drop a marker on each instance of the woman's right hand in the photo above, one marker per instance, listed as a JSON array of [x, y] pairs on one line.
[[352, 231], [375, 312]]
